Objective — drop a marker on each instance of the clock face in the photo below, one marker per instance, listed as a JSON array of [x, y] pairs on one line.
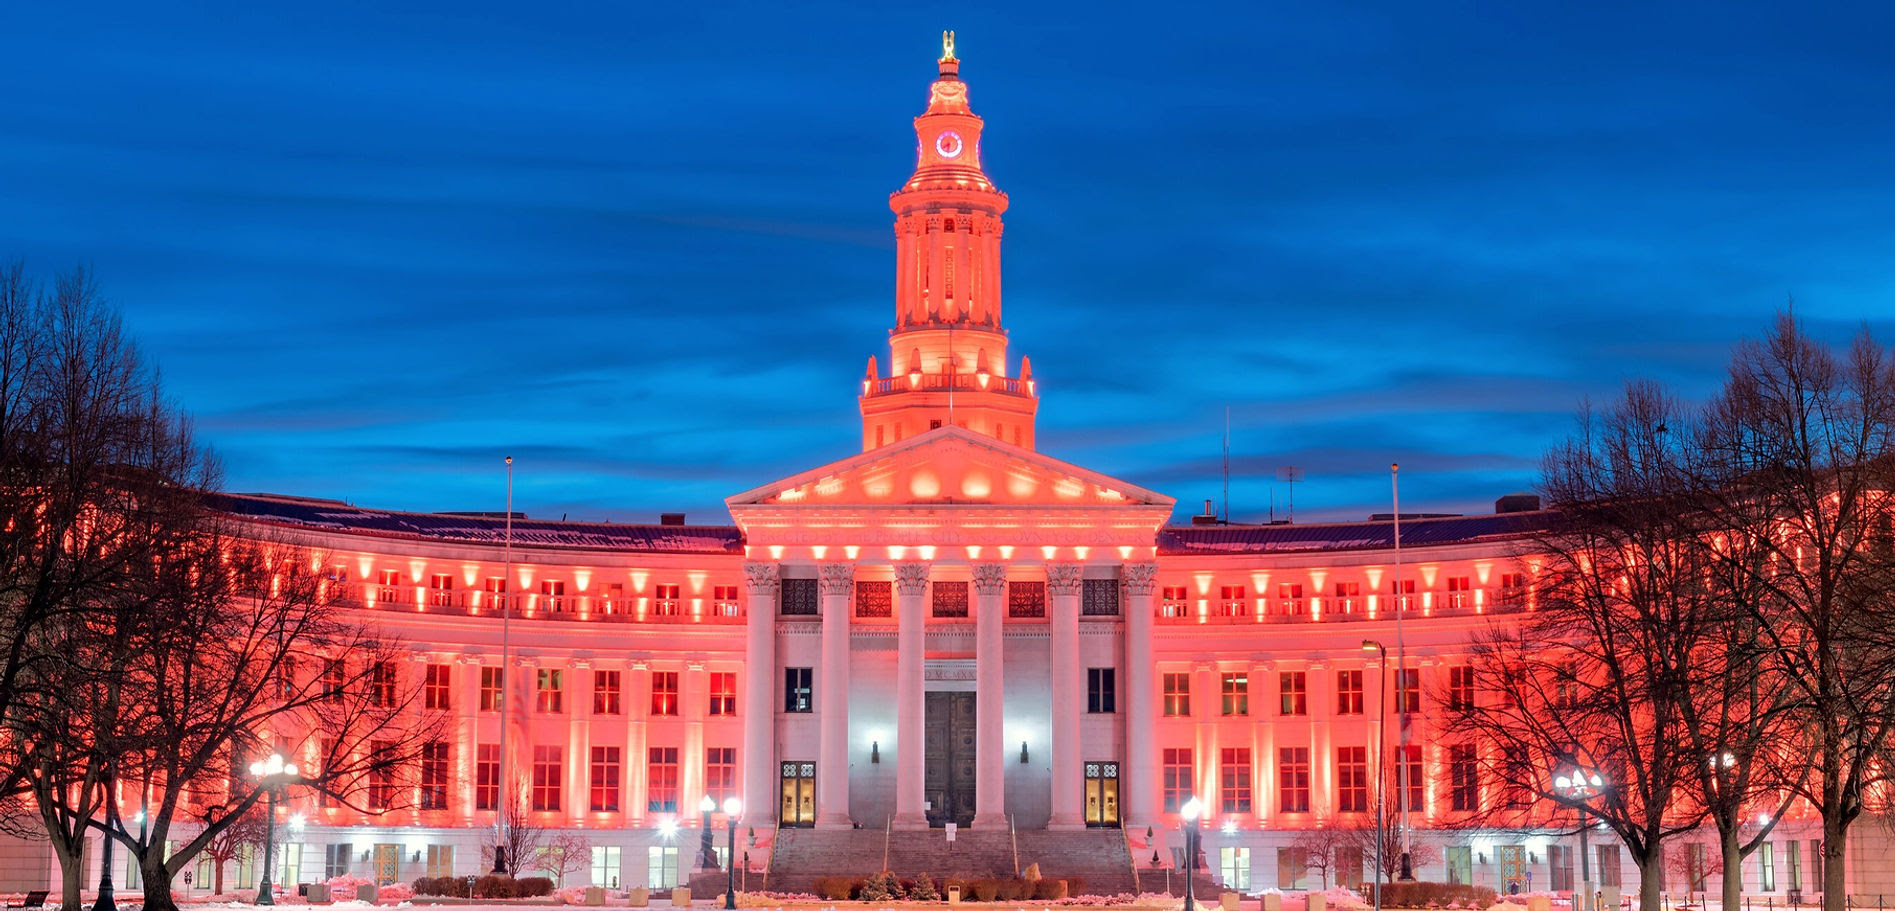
[[948, 144]]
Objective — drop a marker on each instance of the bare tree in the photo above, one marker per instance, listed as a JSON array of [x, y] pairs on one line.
[[563, 852], [524, 836], [1319, 846], [243, 836], [1366, 837]]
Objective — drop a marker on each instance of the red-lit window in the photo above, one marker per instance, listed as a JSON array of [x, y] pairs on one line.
[[1348, 595], [1293, 779], [1348, 692], [724, 601], [605, 780], [1177, 695], [381, 684], [723, 693], [440, 590], [1175, 601], [1295, 693], [1405, 590], [1513, 588], [1233, 777], [550, 691], [548, 769], [434, 775], [388, 586], [335, 676], [1236, 693], [1460, 687], [720, 773], [553, 595], [496, 591], [436, 687], [1408, 690], [1352, 779], [487, 777], [491, 680], [1463, 778], [661, 776], [381, 775], [1231, 603], [1408, 774], [1290, 598], [605, 692], [1179, 782], [665, 601], [664, 692]]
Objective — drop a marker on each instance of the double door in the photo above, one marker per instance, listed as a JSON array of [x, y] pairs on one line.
[[799, 795], [1102, 794], [949, 786]]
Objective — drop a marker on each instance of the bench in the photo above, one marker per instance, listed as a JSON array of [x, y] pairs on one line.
[[35, 899]]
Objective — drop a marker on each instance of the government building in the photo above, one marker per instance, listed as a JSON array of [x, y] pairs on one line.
[[949, 652]]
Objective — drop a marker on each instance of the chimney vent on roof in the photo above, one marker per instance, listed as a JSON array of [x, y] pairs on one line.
[[671, 518], [1517, 502]]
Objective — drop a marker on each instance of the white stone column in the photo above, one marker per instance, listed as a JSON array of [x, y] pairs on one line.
[[579, 737], [911, 590], [637, 759], [990, 747], [1140, 784], [1063, 584], [467, 756], [832, 767], [760, 675], [694, 691]]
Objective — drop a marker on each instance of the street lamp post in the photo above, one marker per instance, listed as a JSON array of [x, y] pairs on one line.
[[1190, 812], [273, 774], [1381, 740], [1578, 786], [732, 807], [706, 852]]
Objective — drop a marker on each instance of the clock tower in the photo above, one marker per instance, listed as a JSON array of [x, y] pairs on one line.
[[948, 353]]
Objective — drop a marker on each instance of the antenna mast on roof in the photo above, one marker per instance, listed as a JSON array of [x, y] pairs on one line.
[[1289, 474], [1226, 464]]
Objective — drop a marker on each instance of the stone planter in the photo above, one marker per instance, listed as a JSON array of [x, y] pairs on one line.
[[639, 897], [954, 896], [318, 893], [681, 897]]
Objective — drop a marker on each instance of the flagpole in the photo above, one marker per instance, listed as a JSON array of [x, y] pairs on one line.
[[506, 680], [1401, 681]]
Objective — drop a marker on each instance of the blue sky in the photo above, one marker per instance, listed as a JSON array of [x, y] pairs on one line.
[[646, 249]]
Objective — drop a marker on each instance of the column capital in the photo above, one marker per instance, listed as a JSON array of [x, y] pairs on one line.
[[1064, 579], [836, 578], [1139, 578], [912, 578], [990, 578], [762, 578]]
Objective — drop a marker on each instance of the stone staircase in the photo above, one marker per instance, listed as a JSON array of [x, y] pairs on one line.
[[1096, 856]]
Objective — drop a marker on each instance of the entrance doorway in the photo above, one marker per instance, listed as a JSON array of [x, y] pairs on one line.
[[1102, 794], [799, 795], [387, 868], [1513, 869], [950, 759]]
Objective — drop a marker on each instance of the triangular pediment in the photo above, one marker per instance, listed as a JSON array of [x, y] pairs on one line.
[[949, 466]]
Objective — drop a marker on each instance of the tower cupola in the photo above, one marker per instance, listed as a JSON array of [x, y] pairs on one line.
[[947, 353]]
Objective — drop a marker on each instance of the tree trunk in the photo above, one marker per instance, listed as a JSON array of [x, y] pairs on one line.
[[1651, 881], [157, 881], [71, 875], [1835, 872], [1733, 875], [217, 877]]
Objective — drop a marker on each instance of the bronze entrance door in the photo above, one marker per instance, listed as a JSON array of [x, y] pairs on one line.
[[1513, 868], [799, 795], [1102, 794], [950, 778]]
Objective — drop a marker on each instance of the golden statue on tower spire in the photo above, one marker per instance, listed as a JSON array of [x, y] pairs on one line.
[[947, 46]]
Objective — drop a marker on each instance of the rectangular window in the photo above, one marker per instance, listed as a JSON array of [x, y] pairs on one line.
[[664, 692], [1291, 865], [1408, 774], [1513, 588], [1460, 687], [1352, 779], [487, 776], [1460, 863], [1408, 690], [724, 601], [799, 689], [381, 775], [497, 592], [1767, 867], [491, 679], [605, 780], [440, 862], [1026, 599], [1101, 690], [720, 773], [1463, 778], [661, 866], [1179, 784], [799, 598], [605, 692], [1792, 852], [665, 601], [436, 686], [1234, 863], [1177, 695], [434, 775], [1231, 602], [606, 862], [874, 598], [1099, 598], [1233, 777], [335, 676], [1348, 692], [1290, 598], [441, 590], [1609, 866], [1236, 693], [1348, 596], [1175, 601], [1293, 779], [550, 690], [381, 684], [1404, 592], [1295, 693], [388, 586], [1460, 591], [336, 860], [1816, 863], [1559, 863], [950, 599], [723, 692], [548, 771], [661, 777], [553, 595]]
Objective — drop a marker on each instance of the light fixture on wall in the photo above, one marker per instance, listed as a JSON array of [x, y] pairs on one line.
[[1481, 858], [875, 751], [1023, 756]]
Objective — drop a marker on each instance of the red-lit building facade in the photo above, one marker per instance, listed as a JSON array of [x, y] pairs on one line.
[[947, 627]]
